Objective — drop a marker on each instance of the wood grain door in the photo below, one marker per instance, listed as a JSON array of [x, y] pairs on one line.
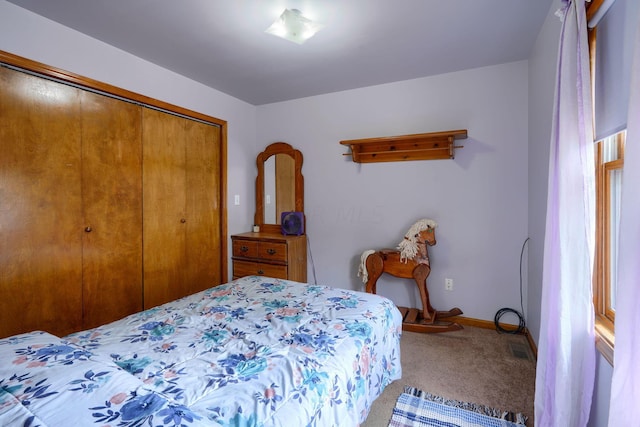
[[164, 207], [112, 209], [203, 185], [182, 194], [40, 205]]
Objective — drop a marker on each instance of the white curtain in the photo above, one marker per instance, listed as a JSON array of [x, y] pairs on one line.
[[625, 388], [566, 346]]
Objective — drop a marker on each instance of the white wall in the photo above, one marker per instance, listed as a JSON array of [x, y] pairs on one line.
[[479, 199], [29, 35], [542, 71]]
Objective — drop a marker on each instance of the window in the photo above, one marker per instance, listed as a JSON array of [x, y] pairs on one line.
[[609, 36], [609, 164]]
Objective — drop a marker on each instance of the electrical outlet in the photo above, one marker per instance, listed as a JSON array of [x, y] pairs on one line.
[[448, 284]]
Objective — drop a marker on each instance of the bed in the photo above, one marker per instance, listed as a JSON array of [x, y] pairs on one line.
[[254, 351]]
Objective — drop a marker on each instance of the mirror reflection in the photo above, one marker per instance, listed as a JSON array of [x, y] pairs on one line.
[[279, 185], [269, 190]]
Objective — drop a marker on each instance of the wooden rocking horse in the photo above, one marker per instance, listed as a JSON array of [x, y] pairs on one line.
[[410, 261]]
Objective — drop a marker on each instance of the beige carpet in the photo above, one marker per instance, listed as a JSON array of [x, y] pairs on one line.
[[472, 365]]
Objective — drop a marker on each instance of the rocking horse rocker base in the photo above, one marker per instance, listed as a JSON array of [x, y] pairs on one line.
[[374, 263], [413, 321]]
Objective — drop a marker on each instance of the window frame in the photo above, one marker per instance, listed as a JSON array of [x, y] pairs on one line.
[[604, 314]]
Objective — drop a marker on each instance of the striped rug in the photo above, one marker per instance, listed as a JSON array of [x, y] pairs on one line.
[[415, 408]]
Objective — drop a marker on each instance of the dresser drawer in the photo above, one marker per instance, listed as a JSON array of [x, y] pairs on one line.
[[272, 251], [248, 268], [245, 248], [269, 254]]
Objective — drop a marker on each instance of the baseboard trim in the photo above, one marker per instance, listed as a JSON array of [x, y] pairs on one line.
[[487, 324]]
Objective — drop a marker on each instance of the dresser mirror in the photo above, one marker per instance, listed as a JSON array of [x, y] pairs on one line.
[[279, 185]]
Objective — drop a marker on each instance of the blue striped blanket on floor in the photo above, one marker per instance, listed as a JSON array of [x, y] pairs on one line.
[[416, 408]]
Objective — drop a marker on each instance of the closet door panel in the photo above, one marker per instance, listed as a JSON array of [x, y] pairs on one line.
[[203, 210], [164, 201], [40, 206], [112, 201]]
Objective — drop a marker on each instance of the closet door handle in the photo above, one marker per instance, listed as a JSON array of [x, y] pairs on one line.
[[87, 229]]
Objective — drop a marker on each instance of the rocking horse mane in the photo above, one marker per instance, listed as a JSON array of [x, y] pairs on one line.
[[408, 247]]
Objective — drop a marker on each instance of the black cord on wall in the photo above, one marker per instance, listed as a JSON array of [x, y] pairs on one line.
[[503, 311]]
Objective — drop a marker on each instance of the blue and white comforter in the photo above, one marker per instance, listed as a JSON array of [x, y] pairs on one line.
[[256, 351]]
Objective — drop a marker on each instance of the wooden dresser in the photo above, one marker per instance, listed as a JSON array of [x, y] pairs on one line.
[[270, 254]]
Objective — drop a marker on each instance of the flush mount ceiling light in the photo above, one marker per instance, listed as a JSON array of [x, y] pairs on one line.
[[293, 26]]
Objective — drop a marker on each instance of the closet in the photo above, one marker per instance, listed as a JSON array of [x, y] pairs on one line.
[[107, 207]]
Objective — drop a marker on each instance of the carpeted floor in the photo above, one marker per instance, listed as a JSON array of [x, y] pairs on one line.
[[472, 365]]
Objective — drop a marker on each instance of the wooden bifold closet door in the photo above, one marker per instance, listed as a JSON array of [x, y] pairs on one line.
[[70, 207], [181, 224], [112, 209], [40, 206], [106, 206]]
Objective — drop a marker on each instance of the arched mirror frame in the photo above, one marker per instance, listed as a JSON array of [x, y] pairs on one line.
[[272, 150]]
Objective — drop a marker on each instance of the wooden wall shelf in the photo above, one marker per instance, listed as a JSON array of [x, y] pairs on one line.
[[421, 146]]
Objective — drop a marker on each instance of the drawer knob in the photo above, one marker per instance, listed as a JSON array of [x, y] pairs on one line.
[[88, 229], [244, 248], [271, 251], [183, 220], [260, 271]]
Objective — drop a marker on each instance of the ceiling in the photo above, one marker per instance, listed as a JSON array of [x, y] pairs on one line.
[[222, 43]]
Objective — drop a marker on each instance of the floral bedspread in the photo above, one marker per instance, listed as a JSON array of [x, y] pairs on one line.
[[253, 352]]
